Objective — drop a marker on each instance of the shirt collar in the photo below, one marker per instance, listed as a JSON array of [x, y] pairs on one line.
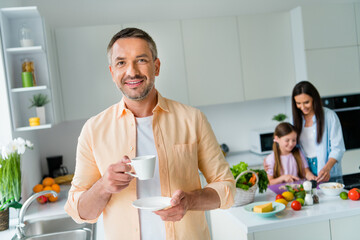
[[160, 106]]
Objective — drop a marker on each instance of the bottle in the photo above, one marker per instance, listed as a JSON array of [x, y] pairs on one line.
[[25, 36], [28, 66], [308, 197], [314, 192]]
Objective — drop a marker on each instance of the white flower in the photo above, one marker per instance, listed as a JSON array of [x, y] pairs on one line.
[[6, 151], [29, 144]]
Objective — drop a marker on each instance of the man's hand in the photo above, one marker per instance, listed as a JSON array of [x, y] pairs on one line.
[[115, 179], [179, 205]]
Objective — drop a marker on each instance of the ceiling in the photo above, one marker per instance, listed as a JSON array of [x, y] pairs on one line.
[[61, 13]]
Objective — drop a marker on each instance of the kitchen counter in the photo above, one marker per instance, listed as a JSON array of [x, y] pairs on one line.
[[327, 217], [37, 210], [253, 160]]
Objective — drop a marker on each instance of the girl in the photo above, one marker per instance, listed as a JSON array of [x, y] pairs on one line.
[[321, 138], [286, 163]]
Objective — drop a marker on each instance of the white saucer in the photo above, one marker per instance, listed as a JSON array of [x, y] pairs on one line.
[[152, 203]]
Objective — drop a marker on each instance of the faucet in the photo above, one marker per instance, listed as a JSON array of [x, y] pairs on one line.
[[19, 227]]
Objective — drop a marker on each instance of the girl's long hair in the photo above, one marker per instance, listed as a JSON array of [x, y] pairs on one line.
[[281, 130], [309, 89]]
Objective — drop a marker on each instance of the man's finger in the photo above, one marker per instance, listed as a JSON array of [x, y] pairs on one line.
[[176, 197]]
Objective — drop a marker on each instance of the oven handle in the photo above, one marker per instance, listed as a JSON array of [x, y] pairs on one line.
[[347, 109]]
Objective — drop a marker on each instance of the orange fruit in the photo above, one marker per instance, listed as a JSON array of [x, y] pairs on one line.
[[55, 187], [38, 188], [53, 199], [48, 181], [48, 194]]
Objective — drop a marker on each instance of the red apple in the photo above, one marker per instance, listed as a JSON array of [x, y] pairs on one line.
[[42, 199]]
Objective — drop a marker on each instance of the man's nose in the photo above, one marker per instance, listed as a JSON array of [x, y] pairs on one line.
[[132, 70]]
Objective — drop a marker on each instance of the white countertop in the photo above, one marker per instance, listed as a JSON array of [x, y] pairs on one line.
[[37, 210], [329, 208]]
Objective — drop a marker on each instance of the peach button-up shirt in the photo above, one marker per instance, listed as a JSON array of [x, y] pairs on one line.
[[185, 143]]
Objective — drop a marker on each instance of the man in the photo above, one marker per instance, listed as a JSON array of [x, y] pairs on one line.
[[145, 123]]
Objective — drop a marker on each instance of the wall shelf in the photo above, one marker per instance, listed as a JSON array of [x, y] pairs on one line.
[[44, 126], [28, 89]]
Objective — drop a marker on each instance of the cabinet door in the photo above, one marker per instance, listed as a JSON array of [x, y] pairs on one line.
[[357, 17], [86, 83], [212, 59], [266, 55], [315, 230], [345, 228], [330, 25], [335, 70], [171, 82]]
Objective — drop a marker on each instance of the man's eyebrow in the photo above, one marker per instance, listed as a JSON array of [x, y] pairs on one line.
[[142, 55]]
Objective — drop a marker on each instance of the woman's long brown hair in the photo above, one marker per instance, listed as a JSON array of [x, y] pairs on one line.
[[309, 89], [281, 130]]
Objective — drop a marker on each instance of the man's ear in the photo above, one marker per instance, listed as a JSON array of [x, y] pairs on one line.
[[111, 72], [157, 66]]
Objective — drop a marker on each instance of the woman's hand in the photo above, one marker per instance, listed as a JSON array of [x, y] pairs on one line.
[[309, 175], [324, 175]]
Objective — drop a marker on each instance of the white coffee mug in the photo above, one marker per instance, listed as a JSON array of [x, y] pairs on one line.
[[144, 167]]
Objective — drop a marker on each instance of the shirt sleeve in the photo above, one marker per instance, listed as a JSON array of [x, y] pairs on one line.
[[86, 174], [337, 146], [213, 165], [270, 163]]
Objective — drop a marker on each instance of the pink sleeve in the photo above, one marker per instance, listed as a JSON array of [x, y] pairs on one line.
[[304, 161], [270, 162]]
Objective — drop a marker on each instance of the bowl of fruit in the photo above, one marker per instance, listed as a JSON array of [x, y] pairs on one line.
[[331, 188]]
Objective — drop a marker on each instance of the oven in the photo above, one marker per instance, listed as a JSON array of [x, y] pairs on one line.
[[347, 107]]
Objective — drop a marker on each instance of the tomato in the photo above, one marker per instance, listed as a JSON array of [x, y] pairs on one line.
[[279, 196], [42, 199], [296, 205], [354, 194]]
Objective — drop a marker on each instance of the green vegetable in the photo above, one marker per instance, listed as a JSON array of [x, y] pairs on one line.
[[243, 181]]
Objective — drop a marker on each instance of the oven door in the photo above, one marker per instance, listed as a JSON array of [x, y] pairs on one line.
[[350, 124]]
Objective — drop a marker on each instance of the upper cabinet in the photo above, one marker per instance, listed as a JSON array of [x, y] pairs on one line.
[[331, 45], [266, 55], [212, 59], [86, 83], [329, 25], [26, 64], [171, 82]]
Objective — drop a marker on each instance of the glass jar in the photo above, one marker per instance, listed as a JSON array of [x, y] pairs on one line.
[[28, 66], [25, 36]]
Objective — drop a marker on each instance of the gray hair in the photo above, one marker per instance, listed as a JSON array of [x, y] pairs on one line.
[[132, 33]]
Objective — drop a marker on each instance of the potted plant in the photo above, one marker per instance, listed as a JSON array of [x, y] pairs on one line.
[[38, 101], [10, 178], [279, 117]]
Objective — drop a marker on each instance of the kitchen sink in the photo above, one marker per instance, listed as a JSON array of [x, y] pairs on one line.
[[53, 224], [78, 234]]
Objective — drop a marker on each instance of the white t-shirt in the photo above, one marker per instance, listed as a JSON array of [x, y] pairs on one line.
[[308, 142], [151, 225]]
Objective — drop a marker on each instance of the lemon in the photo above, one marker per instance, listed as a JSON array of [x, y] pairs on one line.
[[288, 196], [283, 201], [344, 195]]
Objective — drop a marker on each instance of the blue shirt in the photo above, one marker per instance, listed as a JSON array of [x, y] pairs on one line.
[[332, 143]]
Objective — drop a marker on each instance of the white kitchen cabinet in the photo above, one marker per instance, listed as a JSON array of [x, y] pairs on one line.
[[86, 83], [334, 71], [212, 59], [171, 82], [11, 21], [343, 228], [329, 25], [357, 17], [266, 55]]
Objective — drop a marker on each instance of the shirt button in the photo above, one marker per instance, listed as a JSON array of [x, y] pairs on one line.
[[131, 148]]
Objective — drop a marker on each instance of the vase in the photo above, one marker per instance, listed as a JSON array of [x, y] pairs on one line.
[[4, 219], [40, 113]]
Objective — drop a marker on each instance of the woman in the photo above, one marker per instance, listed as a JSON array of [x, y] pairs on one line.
[[319, 128]]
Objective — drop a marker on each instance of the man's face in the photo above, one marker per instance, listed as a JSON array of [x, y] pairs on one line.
[[132, 67]]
